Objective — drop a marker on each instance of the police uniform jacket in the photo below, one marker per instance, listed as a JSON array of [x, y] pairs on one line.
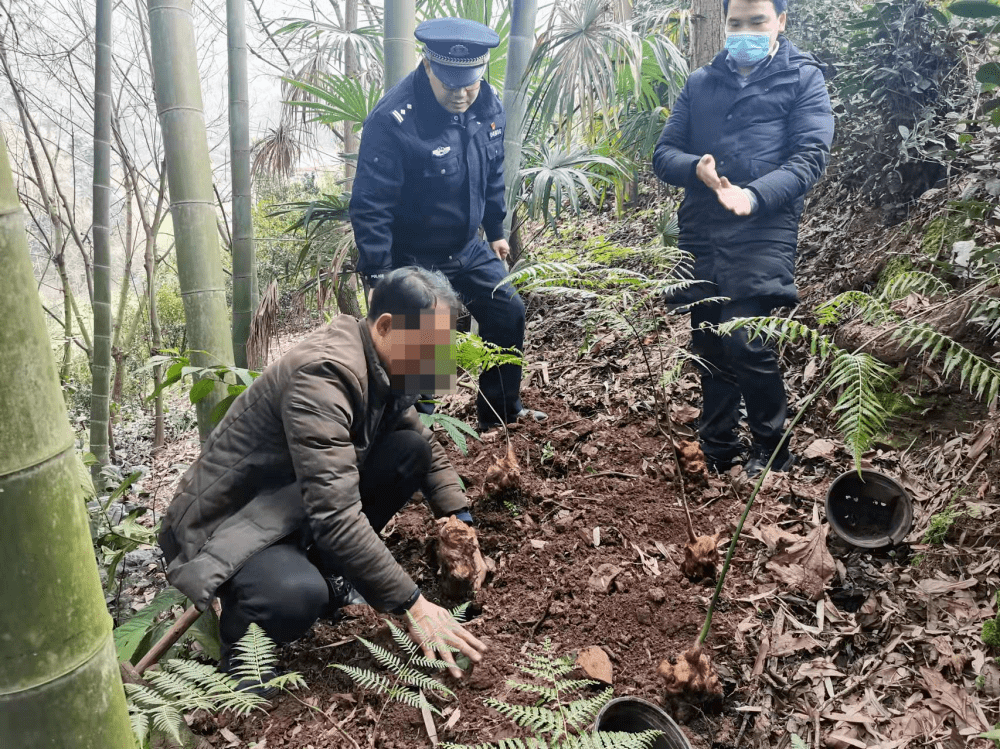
[[769, 132], [426, 179]]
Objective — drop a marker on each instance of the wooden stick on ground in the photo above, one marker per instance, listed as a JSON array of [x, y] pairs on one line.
[[173, 634]]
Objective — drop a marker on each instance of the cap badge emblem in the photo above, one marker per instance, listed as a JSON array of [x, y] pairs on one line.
[[459, 50], [441, 151]]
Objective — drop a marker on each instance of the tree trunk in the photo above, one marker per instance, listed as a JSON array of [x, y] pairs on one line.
[[350, 71], [59, 259], [101, 364], [189, 177], [244, 278], [707, 32], [515, 96], [156, 340], [400, 47], [59, 679]]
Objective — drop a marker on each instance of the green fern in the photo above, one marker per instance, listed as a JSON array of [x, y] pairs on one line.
[[404, 683], [130, 635], [861, 405], [558, 723], [904, 283], [862, 380], [180, 687], [982, 376], [872, 310]]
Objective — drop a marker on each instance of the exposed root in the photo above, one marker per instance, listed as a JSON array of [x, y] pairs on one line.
[[701, 558], [462, 567], [505, 473], [692, 674]]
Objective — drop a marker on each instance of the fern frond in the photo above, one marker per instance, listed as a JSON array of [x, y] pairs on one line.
[[533, 276], [168, 719], [862, 412], [581, 713], [366, 679], [388, 661], [140, 724], [907, 282], [779, 330], [256, 655], [985, 312], [411, 698], [552, 691], [414, 678], [129, 635], [537, 719], [401, 638], [613, 740], [873, 311], [983, 377]]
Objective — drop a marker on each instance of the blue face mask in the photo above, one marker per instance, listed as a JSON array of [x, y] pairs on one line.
[[748, 49]]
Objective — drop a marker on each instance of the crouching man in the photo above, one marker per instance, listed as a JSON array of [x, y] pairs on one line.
[[291, 489]]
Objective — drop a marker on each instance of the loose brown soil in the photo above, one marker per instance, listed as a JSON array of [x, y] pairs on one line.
[[841, 647]]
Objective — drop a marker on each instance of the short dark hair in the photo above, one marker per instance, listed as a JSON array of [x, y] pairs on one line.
[[780, 6], [408, 290]]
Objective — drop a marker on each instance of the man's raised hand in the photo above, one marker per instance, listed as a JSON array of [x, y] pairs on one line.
[[433, 628], [705, 171], [733, 198]]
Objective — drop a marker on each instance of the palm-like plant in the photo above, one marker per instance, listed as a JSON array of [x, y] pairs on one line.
[[576, 66], [554, 176]]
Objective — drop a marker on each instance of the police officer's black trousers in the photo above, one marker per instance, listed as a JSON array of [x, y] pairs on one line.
[[734, 367], [280, 588], [474, 273]]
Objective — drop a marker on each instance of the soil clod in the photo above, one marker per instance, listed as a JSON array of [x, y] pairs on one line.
[[594, 662]]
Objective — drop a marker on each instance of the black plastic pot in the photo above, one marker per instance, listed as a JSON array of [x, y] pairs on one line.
[[870, 511], [633, 715]]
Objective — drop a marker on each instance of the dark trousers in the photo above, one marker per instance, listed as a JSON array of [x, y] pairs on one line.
[[280, 588], [734, 367], [474, 272]]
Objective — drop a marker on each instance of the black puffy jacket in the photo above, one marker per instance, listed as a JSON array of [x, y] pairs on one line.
[[772, 136]]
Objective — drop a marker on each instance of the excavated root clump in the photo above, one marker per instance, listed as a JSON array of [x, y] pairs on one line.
[[692, 675], [692, 461], [701, 558], [462, 567], [504, 474]]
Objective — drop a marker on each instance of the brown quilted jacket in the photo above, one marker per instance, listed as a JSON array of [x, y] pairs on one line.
[[289, 451]]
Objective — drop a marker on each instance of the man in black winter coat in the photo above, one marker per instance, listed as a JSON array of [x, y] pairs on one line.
[[749, 135]]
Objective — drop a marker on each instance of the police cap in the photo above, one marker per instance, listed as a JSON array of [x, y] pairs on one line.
[[457, 48]]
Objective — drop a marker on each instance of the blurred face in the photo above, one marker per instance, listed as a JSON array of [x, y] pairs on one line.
[[418, 351], [756, 17], [455, 100]]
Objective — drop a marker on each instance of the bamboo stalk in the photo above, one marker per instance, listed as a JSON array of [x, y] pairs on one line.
[[59, 678]]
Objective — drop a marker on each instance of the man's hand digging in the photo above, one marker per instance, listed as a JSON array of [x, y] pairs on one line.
[[433, 628]]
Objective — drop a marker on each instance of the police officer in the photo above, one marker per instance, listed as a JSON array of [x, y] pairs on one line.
[[430, 174]]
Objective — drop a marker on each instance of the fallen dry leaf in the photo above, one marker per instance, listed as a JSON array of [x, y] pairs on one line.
[[683, 413], [692, 674], [462, 567], [594, 662], [807, 565], [602, 578], [791, 642], [953, 697], [820, 449]]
